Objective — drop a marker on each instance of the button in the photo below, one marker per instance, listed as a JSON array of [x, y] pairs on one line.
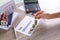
[[27, 10]]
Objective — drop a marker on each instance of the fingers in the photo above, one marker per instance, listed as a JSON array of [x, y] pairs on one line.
[[39, 16], [37, 13]]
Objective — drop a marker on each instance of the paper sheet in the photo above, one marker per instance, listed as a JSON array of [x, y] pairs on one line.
[[15, 15], [25, 25]]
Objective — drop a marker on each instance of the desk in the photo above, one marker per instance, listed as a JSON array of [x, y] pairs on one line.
[[45, 34], [41, 33]]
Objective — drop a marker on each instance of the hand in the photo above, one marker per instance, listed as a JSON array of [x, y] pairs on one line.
[[41, 14]]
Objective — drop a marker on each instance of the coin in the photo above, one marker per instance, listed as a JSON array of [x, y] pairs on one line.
[[33, 25], [35, 21]]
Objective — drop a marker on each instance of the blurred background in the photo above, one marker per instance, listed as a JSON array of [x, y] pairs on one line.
[[16, 1]]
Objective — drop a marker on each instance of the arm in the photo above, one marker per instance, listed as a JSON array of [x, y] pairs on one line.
[[41, 14], [55, 15]]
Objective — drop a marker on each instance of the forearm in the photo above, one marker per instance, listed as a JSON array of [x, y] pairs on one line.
[[55, 15]]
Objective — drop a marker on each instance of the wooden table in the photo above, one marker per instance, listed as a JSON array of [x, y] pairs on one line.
[[39, 34]]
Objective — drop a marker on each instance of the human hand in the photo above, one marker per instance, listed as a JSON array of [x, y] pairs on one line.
[[41, 14]]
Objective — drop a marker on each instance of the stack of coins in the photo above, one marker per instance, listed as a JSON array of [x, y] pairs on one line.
[[35, 21], [33, 26]]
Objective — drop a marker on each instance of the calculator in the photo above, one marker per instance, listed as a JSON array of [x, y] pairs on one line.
[[31, 6]]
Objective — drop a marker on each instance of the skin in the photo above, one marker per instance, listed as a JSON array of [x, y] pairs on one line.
[[41, 14]]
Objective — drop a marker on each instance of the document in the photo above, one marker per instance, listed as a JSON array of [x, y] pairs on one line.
[[15, 15], [27, 26], [6, 13]]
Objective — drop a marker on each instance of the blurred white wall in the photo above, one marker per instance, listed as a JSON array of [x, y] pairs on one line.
[[50, 6]]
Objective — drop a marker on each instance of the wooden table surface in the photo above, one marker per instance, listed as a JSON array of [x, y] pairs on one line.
[[40, 33]]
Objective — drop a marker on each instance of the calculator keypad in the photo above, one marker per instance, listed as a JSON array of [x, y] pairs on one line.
[[32, 7]]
